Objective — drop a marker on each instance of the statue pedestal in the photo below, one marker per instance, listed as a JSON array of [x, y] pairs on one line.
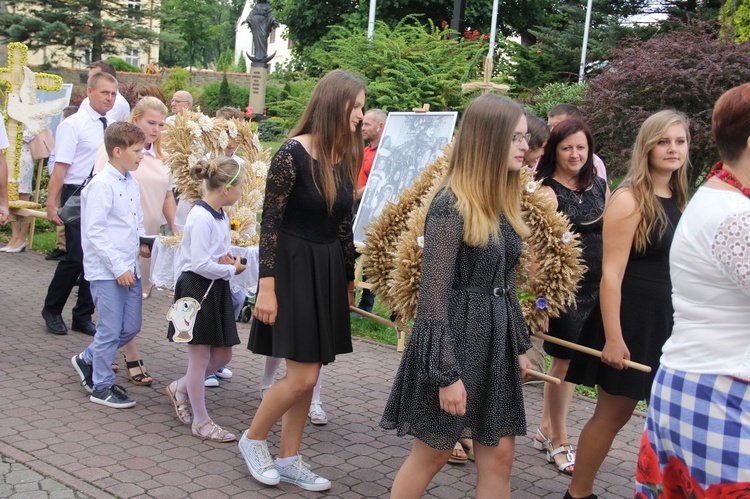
[[258, 77]]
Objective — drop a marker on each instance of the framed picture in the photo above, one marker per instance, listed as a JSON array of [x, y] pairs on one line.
[[45, 96], [410, 142]]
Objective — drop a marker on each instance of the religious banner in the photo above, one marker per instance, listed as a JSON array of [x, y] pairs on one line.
[[410, 142]]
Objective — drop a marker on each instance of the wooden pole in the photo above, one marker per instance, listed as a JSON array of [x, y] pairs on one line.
[[40, 165], [545, 377], [590, 351]]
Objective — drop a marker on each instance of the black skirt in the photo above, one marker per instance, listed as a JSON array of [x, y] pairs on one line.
[[215, 324], [646, 322], [312, 322]]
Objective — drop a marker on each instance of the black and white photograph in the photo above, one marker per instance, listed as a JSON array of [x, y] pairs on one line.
[[410, 142]]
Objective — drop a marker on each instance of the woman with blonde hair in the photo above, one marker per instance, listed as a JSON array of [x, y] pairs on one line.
[[306, 270], [635, 314], [460, 376]]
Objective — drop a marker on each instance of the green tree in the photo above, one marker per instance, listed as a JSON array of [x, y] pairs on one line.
[[76, 27], [242, 63], [736, 16], [405, 66], [225, 94]]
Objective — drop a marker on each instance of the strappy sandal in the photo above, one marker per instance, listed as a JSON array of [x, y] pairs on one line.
[[141, 378], [217, 433], [468, 449], [456, 457], [182, 408], [541, 441], [569, 455]]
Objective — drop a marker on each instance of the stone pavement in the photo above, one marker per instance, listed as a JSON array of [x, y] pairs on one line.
[[55, 443]]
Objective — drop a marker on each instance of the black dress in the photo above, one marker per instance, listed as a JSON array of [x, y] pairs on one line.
[[462, 335], [310, 254], [646, 319], [584, 209]]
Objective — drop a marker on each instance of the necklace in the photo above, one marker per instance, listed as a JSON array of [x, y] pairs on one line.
[[577, 195], [723, 175]]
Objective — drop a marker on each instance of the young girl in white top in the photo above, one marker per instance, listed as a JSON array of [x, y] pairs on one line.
[[204, 262]]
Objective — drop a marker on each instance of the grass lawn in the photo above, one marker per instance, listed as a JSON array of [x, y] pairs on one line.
[[371, 330], [45, 236]]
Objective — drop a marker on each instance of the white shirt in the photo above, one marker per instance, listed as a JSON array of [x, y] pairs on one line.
[[710, 268], [77, 141], [205, 239], [119, 112], [4, 143], [111, 225]]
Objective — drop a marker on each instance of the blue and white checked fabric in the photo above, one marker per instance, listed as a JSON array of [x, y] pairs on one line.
[[704, 419]]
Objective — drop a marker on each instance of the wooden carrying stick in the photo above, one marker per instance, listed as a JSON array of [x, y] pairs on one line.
[[590, 351], [538, 375]]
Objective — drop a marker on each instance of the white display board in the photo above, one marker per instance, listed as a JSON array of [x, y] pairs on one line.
[[410, 142], [45, 96]]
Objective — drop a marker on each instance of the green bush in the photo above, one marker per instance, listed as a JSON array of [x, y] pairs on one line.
[[241, 63], [271, 130], [291, 108], [122, 65], [177, 79], [210, 101], [556, 93]]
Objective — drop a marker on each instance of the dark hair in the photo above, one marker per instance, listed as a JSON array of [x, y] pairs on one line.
[[216, 172], [568, 110], [326, 119], [95, 79], [229, 113], [538, 129], [548, 163], [69, 111], [152, 90], [730, 125], [123, 135], [105, 66]]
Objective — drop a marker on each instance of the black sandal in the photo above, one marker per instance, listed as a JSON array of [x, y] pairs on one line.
[[139, 379]]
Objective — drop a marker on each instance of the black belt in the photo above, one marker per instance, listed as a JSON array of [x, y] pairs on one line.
[[486, 291]]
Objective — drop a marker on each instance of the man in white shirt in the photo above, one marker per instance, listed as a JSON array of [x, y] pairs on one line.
[[121, 110], [4, 144], [181, 101], [78, 141]]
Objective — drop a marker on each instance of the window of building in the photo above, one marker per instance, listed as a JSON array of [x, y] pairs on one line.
[[134, 9], [133, 56]]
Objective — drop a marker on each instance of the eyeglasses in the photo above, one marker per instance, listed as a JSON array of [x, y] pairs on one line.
[[175, 101], [518, 137]]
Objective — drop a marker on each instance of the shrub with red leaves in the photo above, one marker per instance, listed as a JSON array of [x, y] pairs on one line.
[[686, 69]]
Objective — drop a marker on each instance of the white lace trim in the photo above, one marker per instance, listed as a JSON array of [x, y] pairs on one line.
[[731, 249]]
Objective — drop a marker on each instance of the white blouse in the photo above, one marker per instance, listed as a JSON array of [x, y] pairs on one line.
[[710, 268], [204, 241]]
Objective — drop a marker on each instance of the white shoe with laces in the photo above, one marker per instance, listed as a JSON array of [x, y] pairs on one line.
[[317, 414], [300, 475], [258, 460]]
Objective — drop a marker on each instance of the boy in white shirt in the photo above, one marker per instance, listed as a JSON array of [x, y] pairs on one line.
[[112, 224]]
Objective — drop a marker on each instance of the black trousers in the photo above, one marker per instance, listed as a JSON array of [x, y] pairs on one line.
[[69, 269]]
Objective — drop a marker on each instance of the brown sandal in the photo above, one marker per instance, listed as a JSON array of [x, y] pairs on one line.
[[182, 408], [141, 377], [217, 433]]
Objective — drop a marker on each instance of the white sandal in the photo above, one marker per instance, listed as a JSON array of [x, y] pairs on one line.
[[540, 441], [570, 457]]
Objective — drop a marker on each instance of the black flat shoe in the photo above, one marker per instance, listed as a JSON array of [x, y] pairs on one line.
[[54, 322], [56, 254], [85, 327]]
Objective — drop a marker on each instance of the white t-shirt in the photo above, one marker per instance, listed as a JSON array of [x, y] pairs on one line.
[[710, 268]]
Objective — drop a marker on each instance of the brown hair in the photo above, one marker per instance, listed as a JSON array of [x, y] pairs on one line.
[[123, 135], [326, 119], [565, 109], [152, 90], [140, 108], [95, 79], [229, 113], [104, 67], [538, 129], [217, 172], [548, 163], [730, 125], [478, 171]]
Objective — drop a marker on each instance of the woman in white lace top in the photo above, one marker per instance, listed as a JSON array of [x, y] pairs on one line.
[[699, 415]]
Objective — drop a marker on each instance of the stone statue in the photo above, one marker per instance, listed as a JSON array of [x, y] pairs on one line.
[[261, 21]]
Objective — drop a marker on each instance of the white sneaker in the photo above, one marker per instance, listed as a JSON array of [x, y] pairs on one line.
[[317, 415], [224, 373], [300, 475], [258, 460], [211, 381]]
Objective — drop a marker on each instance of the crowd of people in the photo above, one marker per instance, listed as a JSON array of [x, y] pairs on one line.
[[667, 284]]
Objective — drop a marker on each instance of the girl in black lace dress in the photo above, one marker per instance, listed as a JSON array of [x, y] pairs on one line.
[[635, 316], [460, 376], [569, 178], [306, 270]]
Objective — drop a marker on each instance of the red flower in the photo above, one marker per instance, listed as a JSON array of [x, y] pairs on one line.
[[728, 491], [444, 24], [648, 464], [677, 482]]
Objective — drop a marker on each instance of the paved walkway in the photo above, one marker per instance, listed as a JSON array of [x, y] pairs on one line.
[[55, 443]]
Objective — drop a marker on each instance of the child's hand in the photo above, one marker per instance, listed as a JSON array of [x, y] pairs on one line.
[[226, 259], [145, 251], [126, 279], [238, 265]]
